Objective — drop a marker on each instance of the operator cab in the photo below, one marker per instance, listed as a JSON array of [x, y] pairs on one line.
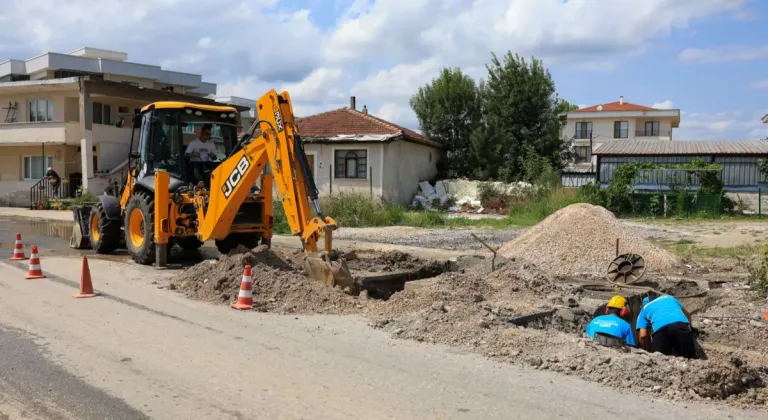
[[168, 128]]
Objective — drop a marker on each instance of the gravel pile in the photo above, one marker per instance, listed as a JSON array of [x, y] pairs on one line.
[[581, 240]]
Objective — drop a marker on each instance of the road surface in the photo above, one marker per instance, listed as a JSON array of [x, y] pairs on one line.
[[141, 352]]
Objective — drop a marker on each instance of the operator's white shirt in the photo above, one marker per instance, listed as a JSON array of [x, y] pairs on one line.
[[205, 149]]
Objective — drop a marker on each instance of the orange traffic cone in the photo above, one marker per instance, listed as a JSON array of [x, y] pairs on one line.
[[35, 272], [18, 249], [86, 287], [245, 297]]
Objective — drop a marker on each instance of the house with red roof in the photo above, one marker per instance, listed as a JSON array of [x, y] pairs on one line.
[[352, 150], [596, 125]]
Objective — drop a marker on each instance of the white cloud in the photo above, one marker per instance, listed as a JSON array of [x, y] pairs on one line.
[[663, 105], [760, 84], [721, 126], [725, 53], [378, 50]]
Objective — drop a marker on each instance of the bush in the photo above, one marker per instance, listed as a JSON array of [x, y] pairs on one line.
[[358, 209]]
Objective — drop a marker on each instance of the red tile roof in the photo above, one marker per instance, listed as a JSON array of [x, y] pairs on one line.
[[616, 106], [345, 121]]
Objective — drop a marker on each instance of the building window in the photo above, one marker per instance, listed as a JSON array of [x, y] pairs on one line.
[[351, 164], [583, 154], [652, 128], [35, 167], [41, 110], [584, 129], [621, 129], [102, 113]]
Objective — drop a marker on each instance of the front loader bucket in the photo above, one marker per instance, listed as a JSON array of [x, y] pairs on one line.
[[331, 273], [80, 238]]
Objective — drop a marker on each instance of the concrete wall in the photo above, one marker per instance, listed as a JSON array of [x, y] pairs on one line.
[[406, 164], [112, 144]]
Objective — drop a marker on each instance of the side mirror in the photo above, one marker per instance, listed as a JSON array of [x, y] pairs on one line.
[[119, 123]]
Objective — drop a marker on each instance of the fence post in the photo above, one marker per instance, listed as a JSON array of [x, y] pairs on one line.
[[370, 179], [330, 179], [759, 203]]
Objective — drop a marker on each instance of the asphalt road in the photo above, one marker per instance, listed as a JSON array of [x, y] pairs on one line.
[[141, 352]]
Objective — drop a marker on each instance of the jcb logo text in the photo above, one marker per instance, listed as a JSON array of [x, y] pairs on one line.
[[235, 176]]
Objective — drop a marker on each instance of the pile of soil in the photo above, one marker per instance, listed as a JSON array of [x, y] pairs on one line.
[[279, 283], [581, 240], [477, 312]]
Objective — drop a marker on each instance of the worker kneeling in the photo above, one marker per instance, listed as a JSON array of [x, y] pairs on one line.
[[671, 325], [611, 330]]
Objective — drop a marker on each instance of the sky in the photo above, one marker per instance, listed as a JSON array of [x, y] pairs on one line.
[[708, 58]]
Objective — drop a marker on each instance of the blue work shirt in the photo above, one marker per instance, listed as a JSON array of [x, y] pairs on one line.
[[660, 312], [611, 325]]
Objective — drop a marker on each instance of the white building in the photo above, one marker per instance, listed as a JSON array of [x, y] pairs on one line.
[[593, 126], [62, 111]]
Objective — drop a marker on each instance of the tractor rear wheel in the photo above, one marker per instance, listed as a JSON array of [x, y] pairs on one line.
[[104, 233], [140, 227]]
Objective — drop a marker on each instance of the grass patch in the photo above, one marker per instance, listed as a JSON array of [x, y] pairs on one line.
[[351, 209], [531, 211], [731, 252], [685, 242]]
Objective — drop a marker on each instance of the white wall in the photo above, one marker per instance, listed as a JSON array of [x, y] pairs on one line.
[[406, 164], [602, 128], [325, 158]]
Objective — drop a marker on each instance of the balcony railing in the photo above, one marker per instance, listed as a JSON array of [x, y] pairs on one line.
[[647, 133], [583, 134]]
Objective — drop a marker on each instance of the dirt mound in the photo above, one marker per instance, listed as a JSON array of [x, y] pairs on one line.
[[518, 314], [581, 240], [279, 283]]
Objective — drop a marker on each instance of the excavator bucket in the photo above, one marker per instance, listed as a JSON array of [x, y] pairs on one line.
[[320, 267]]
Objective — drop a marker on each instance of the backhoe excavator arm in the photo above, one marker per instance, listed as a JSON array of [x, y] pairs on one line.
[[279, 145]]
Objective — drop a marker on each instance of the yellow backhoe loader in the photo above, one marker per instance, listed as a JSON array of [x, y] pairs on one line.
[[172, 197]]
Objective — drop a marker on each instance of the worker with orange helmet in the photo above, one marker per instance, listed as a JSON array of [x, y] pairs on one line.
[[610, 329]]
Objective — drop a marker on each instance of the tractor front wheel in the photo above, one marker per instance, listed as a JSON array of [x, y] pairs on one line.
[[140, 228]]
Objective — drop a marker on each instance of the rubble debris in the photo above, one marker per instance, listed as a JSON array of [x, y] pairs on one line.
[[586, 243], [460, 195]]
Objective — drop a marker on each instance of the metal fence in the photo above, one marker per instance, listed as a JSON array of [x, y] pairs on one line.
[[669, 204]]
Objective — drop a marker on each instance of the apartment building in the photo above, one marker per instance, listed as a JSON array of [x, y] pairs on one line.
[[596, 125], [72, 112]]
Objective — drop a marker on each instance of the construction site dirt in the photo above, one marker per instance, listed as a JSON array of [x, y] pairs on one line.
[[519, 313], [512, 310]]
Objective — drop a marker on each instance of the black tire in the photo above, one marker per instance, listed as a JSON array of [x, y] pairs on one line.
[[142, 248], [249, 240], [106, 239], [188, 243]]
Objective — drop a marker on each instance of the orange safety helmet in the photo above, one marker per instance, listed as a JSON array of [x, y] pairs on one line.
[[618, 302]]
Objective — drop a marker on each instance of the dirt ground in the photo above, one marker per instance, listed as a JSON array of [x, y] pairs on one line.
[[528, 315]]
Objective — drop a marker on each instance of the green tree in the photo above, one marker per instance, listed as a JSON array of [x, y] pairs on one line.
[[521, 119], [565, 106], [448, 110]]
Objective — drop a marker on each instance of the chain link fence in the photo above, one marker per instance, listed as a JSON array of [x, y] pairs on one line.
[[672, 204]]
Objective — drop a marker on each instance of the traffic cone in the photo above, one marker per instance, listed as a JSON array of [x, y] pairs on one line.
[[86, 287], [245, 297], [18, 249], [35, 272]]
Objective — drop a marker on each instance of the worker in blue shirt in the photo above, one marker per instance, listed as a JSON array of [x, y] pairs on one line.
[[610, 329], [670, 324]]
